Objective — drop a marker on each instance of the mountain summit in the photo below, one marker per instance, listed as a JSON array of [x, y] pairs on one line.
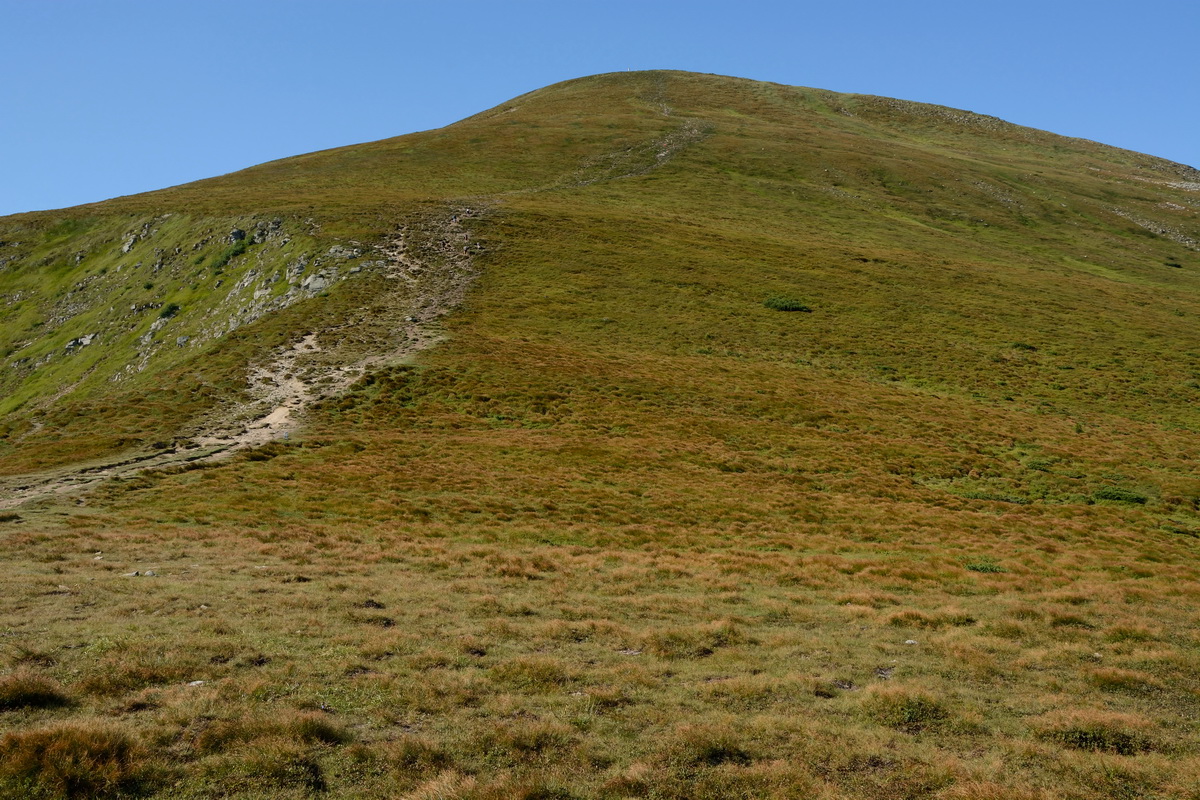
[[650, 434]]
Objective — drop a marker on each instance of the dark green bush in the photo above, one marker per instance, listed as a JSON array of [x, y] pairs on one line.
[[785, 304], [229, 253], [1119, 495]]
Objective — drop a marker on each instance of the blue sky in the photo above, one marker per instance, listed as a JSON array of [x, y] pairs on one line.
[[100, 98]]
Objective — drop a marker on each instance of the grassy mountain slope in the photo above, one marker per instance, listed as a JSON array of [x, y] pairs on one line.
[[628, 529]]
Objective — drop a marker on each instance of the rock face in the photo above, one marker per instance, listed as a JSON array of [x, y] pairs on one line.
[[317, 283]]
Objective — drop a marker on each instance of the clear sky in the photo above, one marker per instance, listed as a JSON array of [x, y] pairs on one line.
[[100, 98]]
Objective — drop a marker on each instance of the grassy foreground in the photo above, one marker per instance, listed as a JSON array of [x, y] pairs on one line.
[[635, 529]]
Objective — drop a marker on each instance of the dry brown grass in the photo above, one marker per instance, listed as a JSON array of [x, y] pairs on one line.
[[73, 760]]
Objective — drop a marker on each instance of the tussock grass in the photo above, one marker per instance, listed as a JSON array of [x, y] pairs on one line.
[[74, 760], [1090, 729], [27, 689], [908, 709]]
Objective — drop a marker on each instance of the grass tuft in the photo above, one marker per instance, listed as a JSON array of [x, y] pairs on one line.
[[74, 760], [1090, 729], [906, 709], [26, 689]]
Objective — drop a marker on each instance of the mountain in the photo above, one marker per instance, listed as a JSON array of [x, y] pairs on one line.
[[649, 435]]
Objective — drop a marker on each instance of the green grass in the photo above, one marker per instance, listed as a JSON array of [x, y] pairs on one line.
[[628, 531]]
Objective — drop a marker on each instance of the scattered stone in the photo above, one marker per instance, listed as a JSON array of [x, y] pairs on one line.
[[340, 251], [884, 673], [630, 652], [195, 683], [129, 243], [236, 235], [182, 340], [910, 641], [844, 685]]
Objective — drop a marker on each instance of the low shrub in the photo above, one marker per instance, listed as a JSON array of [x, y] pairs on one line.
[[229, 253], [1118, 495], [785, 304], [985, 564]]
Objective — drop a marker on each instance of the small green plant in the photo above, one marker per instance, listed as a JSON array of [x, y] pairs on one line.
[[984, 564], [148, 285], [777, 303], [1023, 346], [229, 253], [1118, 495], [169, 310]]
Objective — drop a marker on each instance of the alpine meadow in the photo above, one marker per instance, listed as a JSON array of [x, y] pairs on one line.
[[650, 435]]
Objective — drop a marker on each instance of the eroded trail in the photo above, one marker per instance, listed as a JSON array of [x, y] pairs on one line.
[[427, 267]]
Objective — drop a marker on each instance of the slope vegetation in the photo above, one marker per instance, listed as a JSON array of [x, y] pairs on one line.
[[649, 435]]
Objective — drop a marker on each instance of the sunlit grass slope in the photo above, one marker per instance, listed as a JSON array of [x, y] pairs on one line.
[[632, 530]]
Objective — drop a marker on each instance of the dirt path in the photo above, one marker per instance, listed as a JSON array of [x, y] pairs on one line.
[[429, 267]]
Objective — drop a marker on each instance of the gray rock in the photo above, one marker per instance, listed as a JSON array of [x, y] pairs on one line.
[[340, 251], [130, 242], [236, 235], [315, 283]]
